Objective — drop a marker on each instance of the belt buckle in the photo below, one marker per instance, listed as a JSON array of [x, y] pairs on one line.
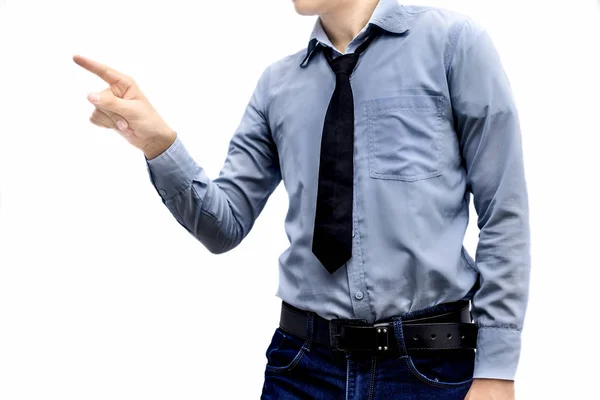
[[335, 326], [382, 332]]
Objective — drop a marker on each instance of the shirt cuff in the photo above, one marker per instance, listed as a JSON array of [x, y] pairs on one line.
[[498, 351], [173, 170]]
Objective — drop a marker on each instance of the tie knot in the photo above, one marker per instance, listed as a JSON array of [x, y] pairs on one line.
[[344, 64]]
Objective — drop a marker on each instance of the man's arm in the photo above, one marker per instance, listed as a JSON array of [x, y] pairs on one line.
[[488, 128], [220, 212]]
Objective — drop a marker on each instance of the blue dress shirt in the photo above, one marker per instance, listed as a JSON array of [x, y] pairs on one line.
[[435, 121]]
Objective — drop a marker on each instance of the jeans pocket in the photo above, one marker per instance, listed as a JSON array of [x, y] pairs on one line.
[[284, 352], [403, 133], [443, 368]]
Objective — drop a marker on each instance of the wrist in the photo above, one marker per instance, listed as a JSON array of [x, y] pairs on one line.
[[158, 145]]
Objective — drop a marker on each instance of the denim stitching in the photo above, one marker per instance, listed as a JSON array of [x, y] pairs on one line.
[[278, 346], [413, 369], [298, 357], [347, 376], [373, 372], [404, 354], [399, 336]]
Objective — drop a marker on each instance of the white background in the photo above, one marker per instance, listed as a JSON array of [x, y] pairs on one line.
[[104, 296]]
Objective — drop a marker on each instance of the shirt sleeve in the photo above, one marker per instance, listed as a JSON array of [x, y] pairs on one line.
[[220, 212], [489, 134]]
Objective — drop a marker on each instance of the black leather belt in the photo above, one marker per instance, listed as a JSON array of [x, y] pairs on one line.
[[446, 330]]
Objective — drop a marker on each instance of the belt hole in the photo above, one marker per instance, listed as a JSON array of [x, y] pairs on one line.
[[415, 338], [449, 336], [433, 336]]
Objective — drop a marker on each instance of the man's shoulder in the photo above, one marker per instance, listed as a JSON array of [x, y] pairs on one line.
[[439, 21], [433, 15], [283, 70], [292, 60]]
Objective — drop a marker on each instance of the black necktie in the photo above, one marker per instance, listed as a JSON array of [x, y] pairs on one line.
[[332, 236]]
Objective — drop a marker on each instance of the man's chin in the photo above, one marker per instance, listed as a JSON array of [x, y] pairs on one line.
[[304, 11], [303, 8]]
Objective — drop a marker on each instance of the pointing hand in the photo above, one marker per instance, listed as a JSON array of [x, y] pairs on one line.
[[124, 108]]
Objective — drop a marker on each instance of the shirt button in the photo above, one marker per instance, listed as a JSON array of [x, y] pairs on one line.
[[162, 192], [353, 233], [359, 295]]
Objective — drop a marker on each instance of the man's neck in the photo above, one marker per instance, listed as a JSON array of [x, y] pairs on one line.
[[344, 23]]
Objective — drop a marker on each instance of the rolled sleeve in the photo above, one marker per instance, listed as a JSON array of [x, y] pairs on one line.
[[487, 124]]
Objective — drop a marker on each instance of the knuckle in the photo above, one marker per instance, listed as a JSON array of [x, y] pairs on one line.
[[128, 80]]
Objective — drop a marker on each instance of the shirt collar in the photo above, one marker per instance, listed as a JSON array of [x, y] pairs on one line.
[[389, 15]]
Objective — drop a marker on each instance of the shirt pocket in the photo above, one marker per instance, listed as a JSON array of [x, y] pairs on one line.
[[403, 135]]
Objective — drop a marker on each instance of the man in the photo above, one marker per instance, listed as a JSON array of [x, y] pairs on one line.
[[381, 128]]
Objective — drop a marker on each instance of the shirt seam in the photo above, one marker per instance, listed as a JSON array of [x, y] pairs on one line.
[[267, 101], [454, 45], [481, 32], [420, 11], [186, 186], [203, 210]]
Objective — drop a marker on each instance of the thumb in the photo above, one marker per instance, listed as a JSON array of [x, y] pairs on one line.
[[106, 100]]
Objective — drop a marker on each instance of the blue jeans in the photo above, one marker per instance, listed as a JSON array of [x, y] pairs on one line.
[[300, 369]]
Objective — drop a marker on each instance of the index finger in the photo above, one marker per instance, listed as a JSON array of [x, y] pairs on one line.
[[106, 73]]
